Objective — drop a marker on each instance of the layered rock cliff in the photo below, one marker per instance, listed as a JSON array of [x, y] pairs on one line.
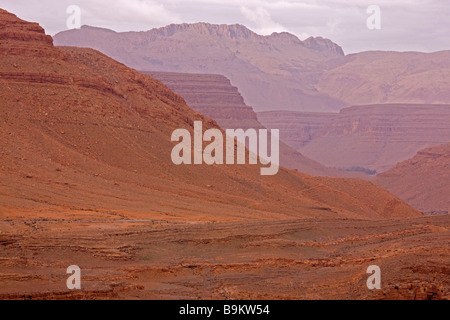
[[297, 128], [374, 137], [209, 94], [214, 96]]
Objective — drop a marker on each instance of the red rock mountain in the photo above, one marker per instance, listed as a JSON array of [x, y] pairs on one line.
[[214, 96], [271, 71], [375, 137], [278, 72], [422, 181], [85, 135]]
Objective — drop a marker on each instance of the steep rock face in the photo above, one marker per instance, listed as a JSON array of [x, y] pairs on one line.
[[14, 33], [422, 181], [214, 96], [271, 71], [373, 137], [211, 95], [12, 30]]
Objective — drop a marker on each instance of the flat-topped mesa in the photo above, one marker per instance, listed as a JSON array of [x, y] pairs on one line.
[[12, 28]]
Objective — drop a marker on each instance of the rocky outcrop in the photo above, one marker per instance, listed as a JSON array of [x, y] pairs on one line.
[[14, 32], [422, 181], [209, 94], [321, 44], [372, 137], [14, 29]]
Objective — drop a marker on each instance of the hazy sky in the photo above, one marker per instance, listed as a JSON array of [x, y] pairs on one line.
[[406, 25]]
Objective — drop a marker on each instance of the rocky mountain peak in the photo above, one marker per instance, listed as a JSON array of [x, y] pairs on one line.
[[233, 31], [322, 44]]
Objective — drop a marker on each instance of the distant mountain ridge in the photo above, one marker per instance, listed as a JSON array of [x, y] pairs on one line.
[[375, 137], [278, 71], [238, 31], [270, 71]]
